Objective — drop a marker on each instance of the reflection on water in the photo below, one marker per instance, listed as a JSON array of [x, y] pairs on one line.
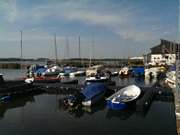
[[79, 111], [17, 103], [46, 114], [11, 74], [137, 81], [120, 114]]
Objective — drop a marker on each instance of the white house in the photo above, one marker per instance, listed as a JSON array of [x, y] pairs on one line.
[[162, 59]]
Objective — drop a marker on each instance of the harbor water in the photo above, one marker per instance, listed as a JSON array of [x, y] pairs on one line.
[[45, 114]]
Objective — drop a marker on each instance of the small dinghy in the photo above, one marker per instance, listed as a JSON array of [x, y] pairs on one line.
[[120, 99]]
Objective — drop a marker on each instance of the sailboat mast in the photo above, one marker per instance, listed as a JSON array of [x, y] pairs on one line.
[[93, 46], [91, 50], [21, 46], [67, 47], [79, 47], [55, 47]]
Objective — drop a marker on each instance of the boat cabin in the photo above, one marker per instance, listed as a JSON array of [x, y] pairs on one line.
[[92, 71]]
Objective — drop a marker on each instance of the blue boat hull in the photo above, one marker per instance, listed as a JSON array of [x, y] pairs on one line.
[[138, 71], [116, 106], [94, 99]]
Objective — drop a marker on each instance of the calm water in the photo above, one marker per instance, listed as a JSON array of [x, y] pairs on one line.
[[12, 74], [45, 114]]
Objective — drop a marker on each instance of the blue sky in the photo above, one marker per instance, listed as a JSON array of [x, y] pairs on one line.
[[119, 28]]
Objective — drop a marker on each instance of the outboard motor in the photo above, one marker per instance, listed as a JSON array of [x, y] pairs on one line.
[[73, 100], [1, 79]]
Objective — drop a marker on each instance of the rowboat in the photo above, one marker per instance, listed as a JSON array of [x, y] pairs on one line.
[[120, 99]]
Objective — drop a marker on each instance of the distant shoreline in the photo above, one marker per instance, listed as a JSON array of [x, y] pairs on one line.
[[17, 63]]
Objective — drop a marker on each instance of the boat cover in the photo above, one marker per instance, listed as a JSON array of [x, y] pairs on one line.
[[94, 89], [69, 69], [138, 70], [41, 70]]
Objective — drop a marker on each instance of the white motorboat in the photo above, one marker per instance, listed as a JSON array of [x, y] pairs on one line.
[[53, 71], [94, 70], [124, 71], [152, 72], [77, 73], [170, 79]]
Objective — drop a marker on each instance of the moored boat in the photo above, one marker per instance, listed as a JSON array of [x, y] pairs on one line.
[[71, 72], [35, 70], [92, 71], [124, 72], [88, 96], [51, 80], [120, 99], [115, 73], [52, 71], [77, 73], [170, 79], [99, 77], [96, 79], [138, 71], [43, 80], [93, 93]]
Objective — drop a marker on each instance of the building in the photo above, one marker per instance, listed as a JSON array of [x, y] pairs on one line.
[[164, 53], [165, 47]]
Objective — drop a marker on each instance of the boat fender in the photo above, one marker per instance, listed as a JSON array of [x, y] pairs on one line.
[[146, 103], [160, 92]]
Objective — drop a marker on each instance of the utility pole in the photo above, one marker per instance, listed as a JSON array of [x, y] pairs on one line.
[[55, 47]]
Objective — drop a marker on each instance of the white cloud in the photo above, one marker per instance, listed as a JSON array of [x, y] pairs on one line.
[[10, 10], [121, 22], [95, 18]]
